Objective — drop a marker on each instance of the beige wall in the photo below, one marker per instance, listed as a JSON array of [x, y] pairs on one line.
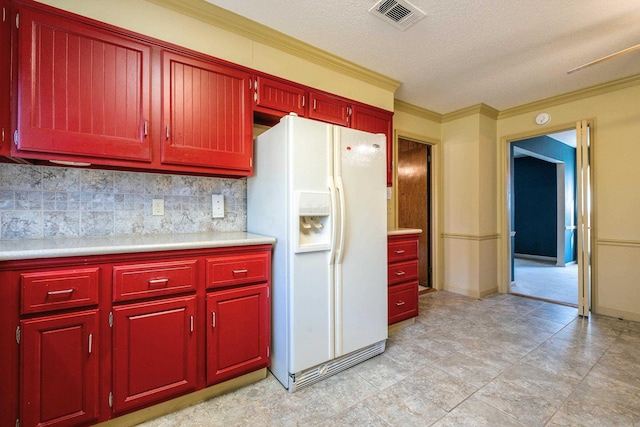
[[469, 204], [615, 150]]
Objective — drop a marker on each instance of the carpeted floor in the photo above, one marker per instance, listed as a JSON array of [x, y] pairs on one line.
[[542, 279]]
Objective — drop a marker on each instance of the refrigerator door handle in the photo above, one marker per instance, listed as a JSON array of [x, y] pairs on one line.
[[334, 232], [341, 205]]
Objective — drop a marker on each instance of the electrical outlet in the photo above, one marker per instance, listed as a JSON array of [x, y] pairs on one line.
[[217, 205], [157, 207]]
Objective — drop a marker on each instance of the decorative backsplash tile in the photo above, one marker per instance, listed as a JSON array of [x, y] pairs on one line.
[[41, 201]]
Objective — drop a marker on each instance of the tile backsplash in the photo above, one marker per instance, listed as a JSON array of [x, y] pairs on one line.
[[48, 202]]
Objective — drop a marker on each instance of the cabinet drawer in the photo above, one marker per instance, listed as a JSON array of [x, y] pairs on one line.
[[402, 250], [403, 302], [237, 269], [154, 279], [403, 271], [55, 290]]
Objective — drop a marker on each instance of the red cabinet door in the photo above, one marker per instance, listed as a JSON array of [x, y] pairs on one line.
[[154, 354], [5, 79], [59, 369], [238, 332], [280, 96], [376, 121], [207, 114], [328, 109], [82, 90]]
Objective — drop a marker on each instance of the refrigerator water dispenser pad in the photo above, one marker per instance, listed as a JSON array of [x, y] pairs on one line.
[[313, 210]]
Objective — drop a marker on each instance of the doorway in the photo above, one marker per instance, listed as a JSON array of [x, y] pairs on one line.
[[415, 200], [545, 194]]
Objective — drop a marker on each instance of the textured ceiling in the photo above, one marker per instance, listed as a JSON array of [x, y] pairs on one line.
[[502, 53]]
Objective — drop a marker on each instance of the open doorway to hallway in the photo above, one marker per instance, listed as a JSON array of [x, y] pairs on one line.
[[544, 239], [415, 200]]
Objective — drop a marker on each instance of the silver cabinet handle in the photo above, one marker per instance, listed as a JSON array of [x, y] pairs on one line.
[[90, 342], [62, 292], [213, 319], [191, 323], [400, 251], [243, 271], [400, 273], [158, 282], [167, 131], [399, 303]]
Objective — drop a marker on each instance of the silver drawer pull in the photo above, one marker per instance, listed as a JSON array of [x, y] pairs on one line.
[[158, 282], [400, 273], [399, 303], [244, 271], [400, 251], [62, 292]]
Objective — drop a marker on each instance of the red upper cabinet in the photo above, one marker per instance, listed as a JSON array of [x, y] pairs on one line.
[[275, 95], [82, 90], [206, 114], [5, 78], [328, 109], [376, 121]]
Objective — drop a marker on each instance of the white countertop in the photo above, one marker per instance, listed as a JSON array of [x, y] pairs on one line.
[[401, 231], [11, 250]]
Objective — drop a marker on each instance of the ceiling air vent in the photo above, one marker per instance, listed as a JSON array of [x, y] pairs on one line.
[[399, 13]]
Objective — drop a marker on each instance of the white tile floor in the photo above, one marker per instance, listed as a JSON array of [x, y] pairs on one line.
[[500, 361]]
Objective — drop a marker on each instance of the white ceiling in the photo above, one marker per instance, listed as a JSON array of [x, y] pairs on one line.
[[503, 53]]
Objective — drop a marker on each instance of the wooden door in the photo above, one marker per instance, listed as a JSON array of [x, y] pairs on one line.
[[59, 370], [154, 355], [414, 198], [238, 332], [207, 114], [83, 91]]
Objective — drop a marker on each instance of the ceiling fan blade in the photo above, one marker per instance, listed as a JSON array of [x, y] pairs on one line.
[[597, 61]]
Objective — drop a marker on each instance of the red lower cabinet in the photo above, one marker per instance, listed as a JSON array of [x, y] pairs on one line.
[[238, 332], [59, 369], [154, 355], [402, 257], [84, 340]]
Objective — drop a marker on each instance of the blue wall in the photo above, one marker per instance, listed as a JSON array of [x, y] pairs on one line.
[[535, 202], [553, 149]]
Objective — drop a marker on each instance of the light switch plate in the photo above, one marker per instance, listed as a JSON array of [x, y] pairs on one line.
[[217, 205]]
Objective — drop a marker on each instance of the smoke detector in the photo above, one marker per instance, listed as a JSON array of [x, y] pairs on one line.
[[399, 13]]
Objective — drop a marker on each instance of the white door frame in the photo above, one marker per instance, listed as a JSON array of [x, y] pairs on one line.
[[505, 211]]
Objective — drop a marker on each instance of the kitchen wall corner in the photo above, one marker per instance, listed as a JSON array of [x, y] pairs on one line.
[[50, 202]]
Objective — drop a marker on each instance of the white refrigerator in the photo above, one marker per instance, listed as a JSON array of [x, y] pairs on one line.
[[320, 190]]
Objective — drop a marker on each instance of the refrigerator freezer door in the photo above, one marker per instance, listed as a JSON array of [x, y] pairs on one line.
[[311, 328], [361, 269]]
